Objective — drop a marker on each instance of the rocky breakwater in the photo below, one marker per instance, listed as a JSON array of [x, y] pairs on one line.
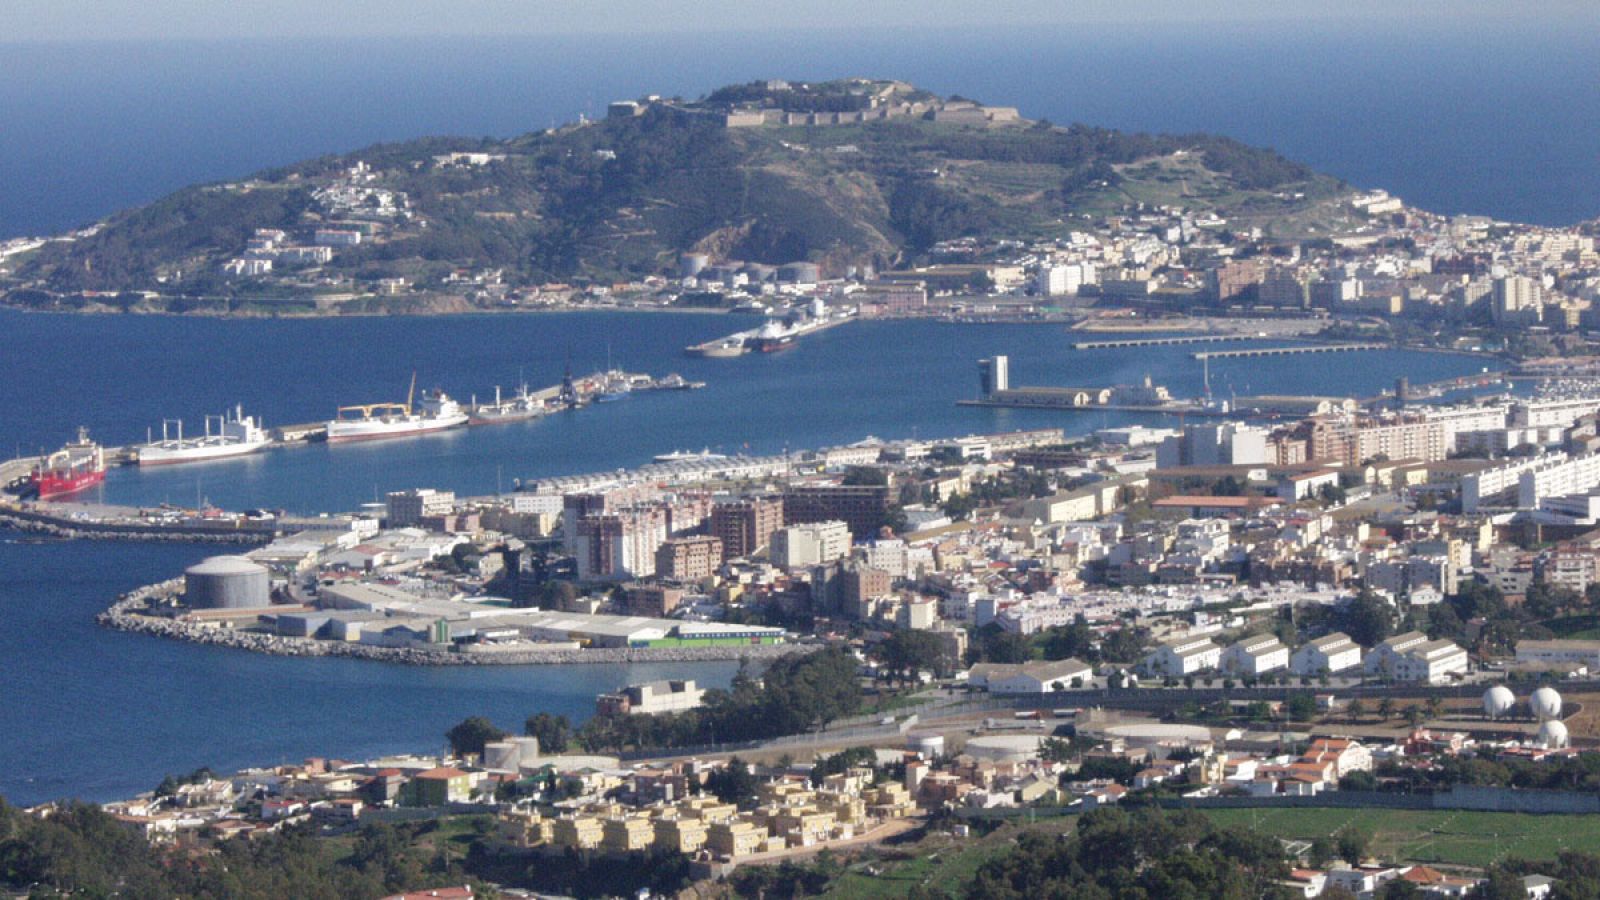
[[34, 522], [130, 613]]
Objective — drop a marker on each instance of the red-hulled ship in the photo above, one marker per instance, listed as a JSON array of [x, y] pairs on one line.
[[72, 468]]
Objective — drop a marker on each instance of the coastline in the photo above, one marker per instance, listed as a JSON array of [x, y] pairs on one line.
[[118, 617]]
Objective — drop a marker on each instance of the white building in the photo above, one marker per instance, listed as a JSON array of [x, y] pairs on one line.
[[1381, 660], [1557, 478], [1034, 677], [1431, 662], [1254, 656], [811, 544], [406, 508], [1183, 656], [1560, 653], [1331, 653]]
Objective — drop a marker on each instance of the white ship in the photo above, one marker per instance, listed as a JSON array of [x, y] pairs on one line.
[[226, 435], [376, 421], [687, 456], [520, 408]]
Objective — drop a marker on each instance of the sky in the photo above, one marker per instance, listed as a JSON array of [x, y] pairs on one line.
[[71, 20]]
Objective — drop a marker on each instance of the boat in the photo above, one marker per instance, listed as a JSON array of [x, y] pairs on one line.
[[687, 456], [771, 338], [378, 421], [76, 466], [613, 387], [519, 408], [234, 435]]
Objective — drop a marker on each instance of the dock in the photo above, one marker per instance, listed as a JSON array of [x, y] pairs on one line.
[[1286, 351], [1164, 341], [1179, 409]]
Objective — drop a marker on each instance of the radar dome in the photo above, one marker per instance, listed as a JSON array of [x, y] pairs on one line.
[[1546, 703], [1552, 735], [1497, 701]]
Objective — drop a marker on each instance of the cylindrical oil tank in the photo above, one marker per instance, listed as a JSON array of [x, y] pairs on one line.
[[227, 582]]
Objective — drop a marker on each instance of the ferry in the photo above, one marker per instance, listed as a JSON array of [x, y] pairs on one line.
[[234, 435], [378, 421], [76, 466]]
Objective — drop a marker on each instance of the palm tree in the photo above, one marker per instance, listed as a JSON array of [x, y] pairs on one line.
[[1357, 709], [1386, 708], [1435, 707], [1413, 715]]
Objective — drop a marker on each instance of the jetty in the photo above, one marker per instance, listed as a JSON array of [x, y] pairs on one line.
[[1286, 351], [1164, 341]]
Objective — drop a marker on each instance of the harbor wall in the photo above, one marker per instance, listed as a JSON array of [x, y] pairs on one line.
[[121, 617]]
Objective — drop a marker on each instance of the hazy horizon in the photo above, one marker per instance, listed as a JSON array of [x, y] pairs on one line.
[[68, 20]]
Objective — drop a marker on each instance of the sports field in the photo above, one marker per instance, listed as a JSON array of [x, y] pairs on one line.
[[1430, 836]]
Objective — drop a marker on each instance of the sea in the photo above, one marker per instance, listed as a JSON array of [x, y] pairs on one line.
[[1501, 122], [100, 715]]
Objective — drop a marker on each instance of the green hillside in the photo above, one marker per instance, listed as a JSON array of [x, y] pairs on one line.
[[623, 196]]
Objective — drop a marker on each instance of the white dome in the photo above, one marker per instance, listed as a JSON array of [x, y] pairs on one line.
[[1546, 703], [1497, 701], [1552, 735]]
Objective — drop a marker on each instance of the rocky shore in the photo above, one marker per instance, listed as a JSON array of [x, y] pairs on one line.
[[38, 524], [122, 616]]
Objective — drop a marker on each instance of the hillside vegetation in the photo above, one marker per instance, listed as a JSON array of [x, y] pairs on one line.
[[622, 197]]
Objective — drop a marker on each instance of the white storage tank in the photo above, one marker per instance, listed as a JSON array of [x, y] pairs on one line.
[[1552, 735], [227, 582], [929, 746], [1497, 701], [1546, 704]]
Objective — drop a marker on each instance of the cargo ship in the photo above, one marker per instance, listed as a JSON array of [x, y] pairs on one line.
[[517, 409], [235, 435], [771, 338], [378, 421], [76, 466]]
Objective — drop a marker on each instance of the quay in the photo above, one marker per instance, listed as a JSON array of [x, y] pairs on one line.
[[1286, 351], [1162, 341], [770, 336], [1064, 404]]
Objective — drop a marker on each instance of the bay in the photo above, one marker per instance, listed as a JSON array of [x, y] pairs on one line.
[[100, 714]]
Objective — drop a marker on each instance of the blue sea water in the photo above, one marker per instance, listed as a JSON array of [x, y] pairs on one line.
[[1455, 116], [99, 714]]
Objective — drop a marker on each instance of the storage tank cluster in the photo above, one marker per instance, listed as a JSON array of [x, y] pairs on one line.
[[1544, 703], [227, 582]]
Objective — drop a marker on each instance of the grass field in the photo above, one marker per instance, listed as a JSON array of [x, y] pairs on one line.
[[1450, 837], [939, 861]]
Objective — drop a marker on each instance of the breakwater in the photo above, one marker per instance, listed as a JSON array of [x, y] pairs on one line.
[[88, 529], [123, 616]]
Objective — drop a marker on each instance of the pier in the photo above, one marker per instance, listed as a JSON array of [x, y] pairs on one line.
[[1164, 341], [1286, 351]]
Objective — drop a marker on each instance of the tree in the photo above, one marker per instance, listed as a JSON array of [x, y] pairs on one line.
[[1351, 844], [1413, 715], [1367, 618], [733, 783], [1357, 708], [908, 651], [1301, 707], [471, 734], [1386, 708], [554, 732]]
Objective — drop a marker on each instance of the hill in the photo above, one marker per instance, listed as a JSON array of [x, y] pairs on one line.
[[847, 173]]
